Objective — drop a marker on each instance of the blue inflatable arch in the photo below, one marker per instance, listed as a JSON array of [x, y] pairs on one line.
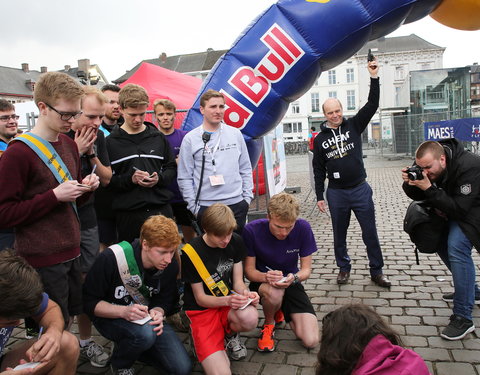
[[285, 49]]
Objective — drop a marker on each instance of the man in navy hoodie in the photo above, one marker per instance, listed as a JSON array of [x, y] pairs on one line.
[[337, 155]]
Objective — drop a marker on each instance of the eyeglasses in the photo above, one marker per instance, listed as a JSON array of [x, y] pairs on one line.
[[6, 118], [65, 116]]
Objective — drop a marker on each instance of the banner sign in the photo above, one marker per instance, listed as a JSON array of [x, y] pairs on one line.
[[275, 163], [465, 129]]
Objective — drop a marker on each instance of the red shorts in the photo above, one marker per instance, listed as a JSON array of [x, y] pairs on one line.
[[208, 328]]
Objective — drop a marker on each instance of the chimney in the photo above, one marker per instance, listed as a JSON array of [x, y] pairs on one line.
[[25, 67], [30, 84], [84, 65], [67, 68], [43, 69], [163, 57]]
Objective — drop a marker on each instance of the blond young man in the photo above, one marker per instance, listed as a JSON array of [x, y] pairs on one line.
[[143, 166], [93, 154], [227, 176], [41, 190], [275, 245], [218, 311], [114, 302], [107, 231]]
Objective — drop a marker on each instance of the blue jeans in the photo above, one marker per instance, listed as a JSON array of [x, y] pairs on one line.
[[139, 342], [457, 256], [341, 203]]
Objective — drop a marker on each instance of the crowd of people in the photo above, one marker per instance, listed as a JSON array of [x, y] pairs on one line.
[[92, 201]]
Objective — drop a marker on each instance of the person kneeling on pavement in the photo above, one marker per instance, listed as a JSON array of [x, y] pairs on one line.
[[128, 292], [55, 351], [216, 299], [447, 178], [275, 245]]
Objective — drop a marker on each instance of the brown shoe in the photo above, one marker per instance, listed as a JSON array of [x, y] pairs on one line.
[[381, 280], [343, 277]]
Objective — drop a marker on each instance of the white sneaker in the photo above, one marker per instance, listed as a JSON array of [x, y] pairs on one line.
[[94, 353], [235, 349], [123, 371]]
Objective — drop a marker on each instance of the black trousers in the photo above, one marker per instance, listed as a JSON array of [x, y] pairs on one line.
[[130, 222]]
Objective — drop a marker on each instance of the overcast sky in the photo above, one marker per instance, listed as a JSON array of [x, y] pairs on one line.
[[117, 34]]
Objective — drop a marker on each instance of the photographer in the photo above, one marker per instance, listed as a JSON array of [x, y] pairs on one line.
[[448, 179]]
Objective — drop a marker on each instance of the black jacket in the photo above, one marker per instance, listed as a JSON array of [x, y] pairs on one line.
[[148, 151], [103, 283], [343, 169], [457, 193]]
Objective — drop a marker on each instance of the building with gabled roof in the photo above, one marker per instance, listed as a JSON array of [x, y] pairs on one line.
[[17, 84]]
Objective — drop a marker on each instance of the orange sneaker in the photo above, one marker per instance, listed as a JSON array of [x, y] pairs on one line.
[[265, 342], [279, 319]]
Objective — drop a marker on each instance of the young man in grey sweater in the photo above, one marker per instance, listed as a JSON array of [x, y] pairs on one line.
[[227, 171]]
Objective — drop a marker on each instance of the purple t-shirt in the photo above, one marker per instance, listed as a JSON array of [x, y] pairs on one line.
[[278, 254], [175, 140]]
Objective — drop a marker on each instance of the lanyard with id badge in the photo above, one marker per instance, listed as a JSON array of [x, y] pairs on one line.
[[215, 179]]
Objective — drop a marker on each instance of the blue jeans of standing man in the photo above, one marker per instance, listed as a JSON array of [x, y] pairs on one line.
[[341, 202], [457, 256], [139, 342]]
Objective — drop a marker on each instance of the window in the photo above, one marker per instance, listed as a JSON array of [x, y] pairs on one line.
[[297, 127], [398, 92], [399, 72], [350, 99], [350, 75], [287, 127], [315, 102], [435, 94], [332, 94], [295, 107], [332, 77]]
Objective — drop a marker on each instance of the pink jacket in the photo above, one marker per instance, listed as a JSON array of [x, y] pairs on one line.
[[381, 357]]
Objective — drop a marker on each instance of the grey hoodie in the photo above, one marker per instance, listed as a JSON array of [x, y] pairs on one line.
[[231, 161]]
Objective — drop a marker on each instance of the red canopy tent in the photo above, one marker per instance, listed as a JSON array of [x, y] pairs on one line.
[[162, 83]]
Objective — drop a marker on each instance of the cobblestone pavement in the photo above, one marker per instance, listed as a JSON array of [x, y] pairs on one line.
[[413, 305]]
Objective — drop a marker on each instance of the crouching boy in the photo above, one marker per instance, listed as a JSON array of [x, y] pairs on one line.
[[132, 283], [21, 293], [216, 299]]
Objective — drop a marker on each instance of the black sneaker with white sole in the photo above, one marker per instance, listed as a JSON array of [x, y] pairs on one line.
[[458, 328], [449, 298]]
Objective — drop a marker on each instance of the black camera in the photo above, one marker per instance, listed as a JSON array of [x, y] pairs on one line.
[[415, 173]]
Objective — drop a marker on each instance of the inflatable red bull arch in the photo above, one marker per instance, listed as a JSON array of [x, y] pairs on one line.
[[285, 49]]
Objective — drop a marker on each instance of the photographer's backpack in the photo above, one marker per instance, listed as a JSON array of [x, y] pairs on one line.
[[424, 227]]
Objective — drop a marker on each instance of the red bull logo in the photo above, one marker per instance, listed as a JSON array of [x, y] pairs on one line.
[[254, 84]]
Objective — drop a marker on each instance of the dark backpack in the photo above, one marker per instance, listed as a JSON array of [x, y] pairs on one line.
[[425, 228]]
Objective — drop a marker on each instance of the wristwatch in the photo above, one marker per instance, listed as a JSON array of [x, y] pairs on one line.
[[91, 156], [296, 280]]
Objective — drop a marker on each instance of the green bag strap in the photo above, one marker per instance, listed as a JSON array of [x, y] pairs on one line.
[[129, 272]]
